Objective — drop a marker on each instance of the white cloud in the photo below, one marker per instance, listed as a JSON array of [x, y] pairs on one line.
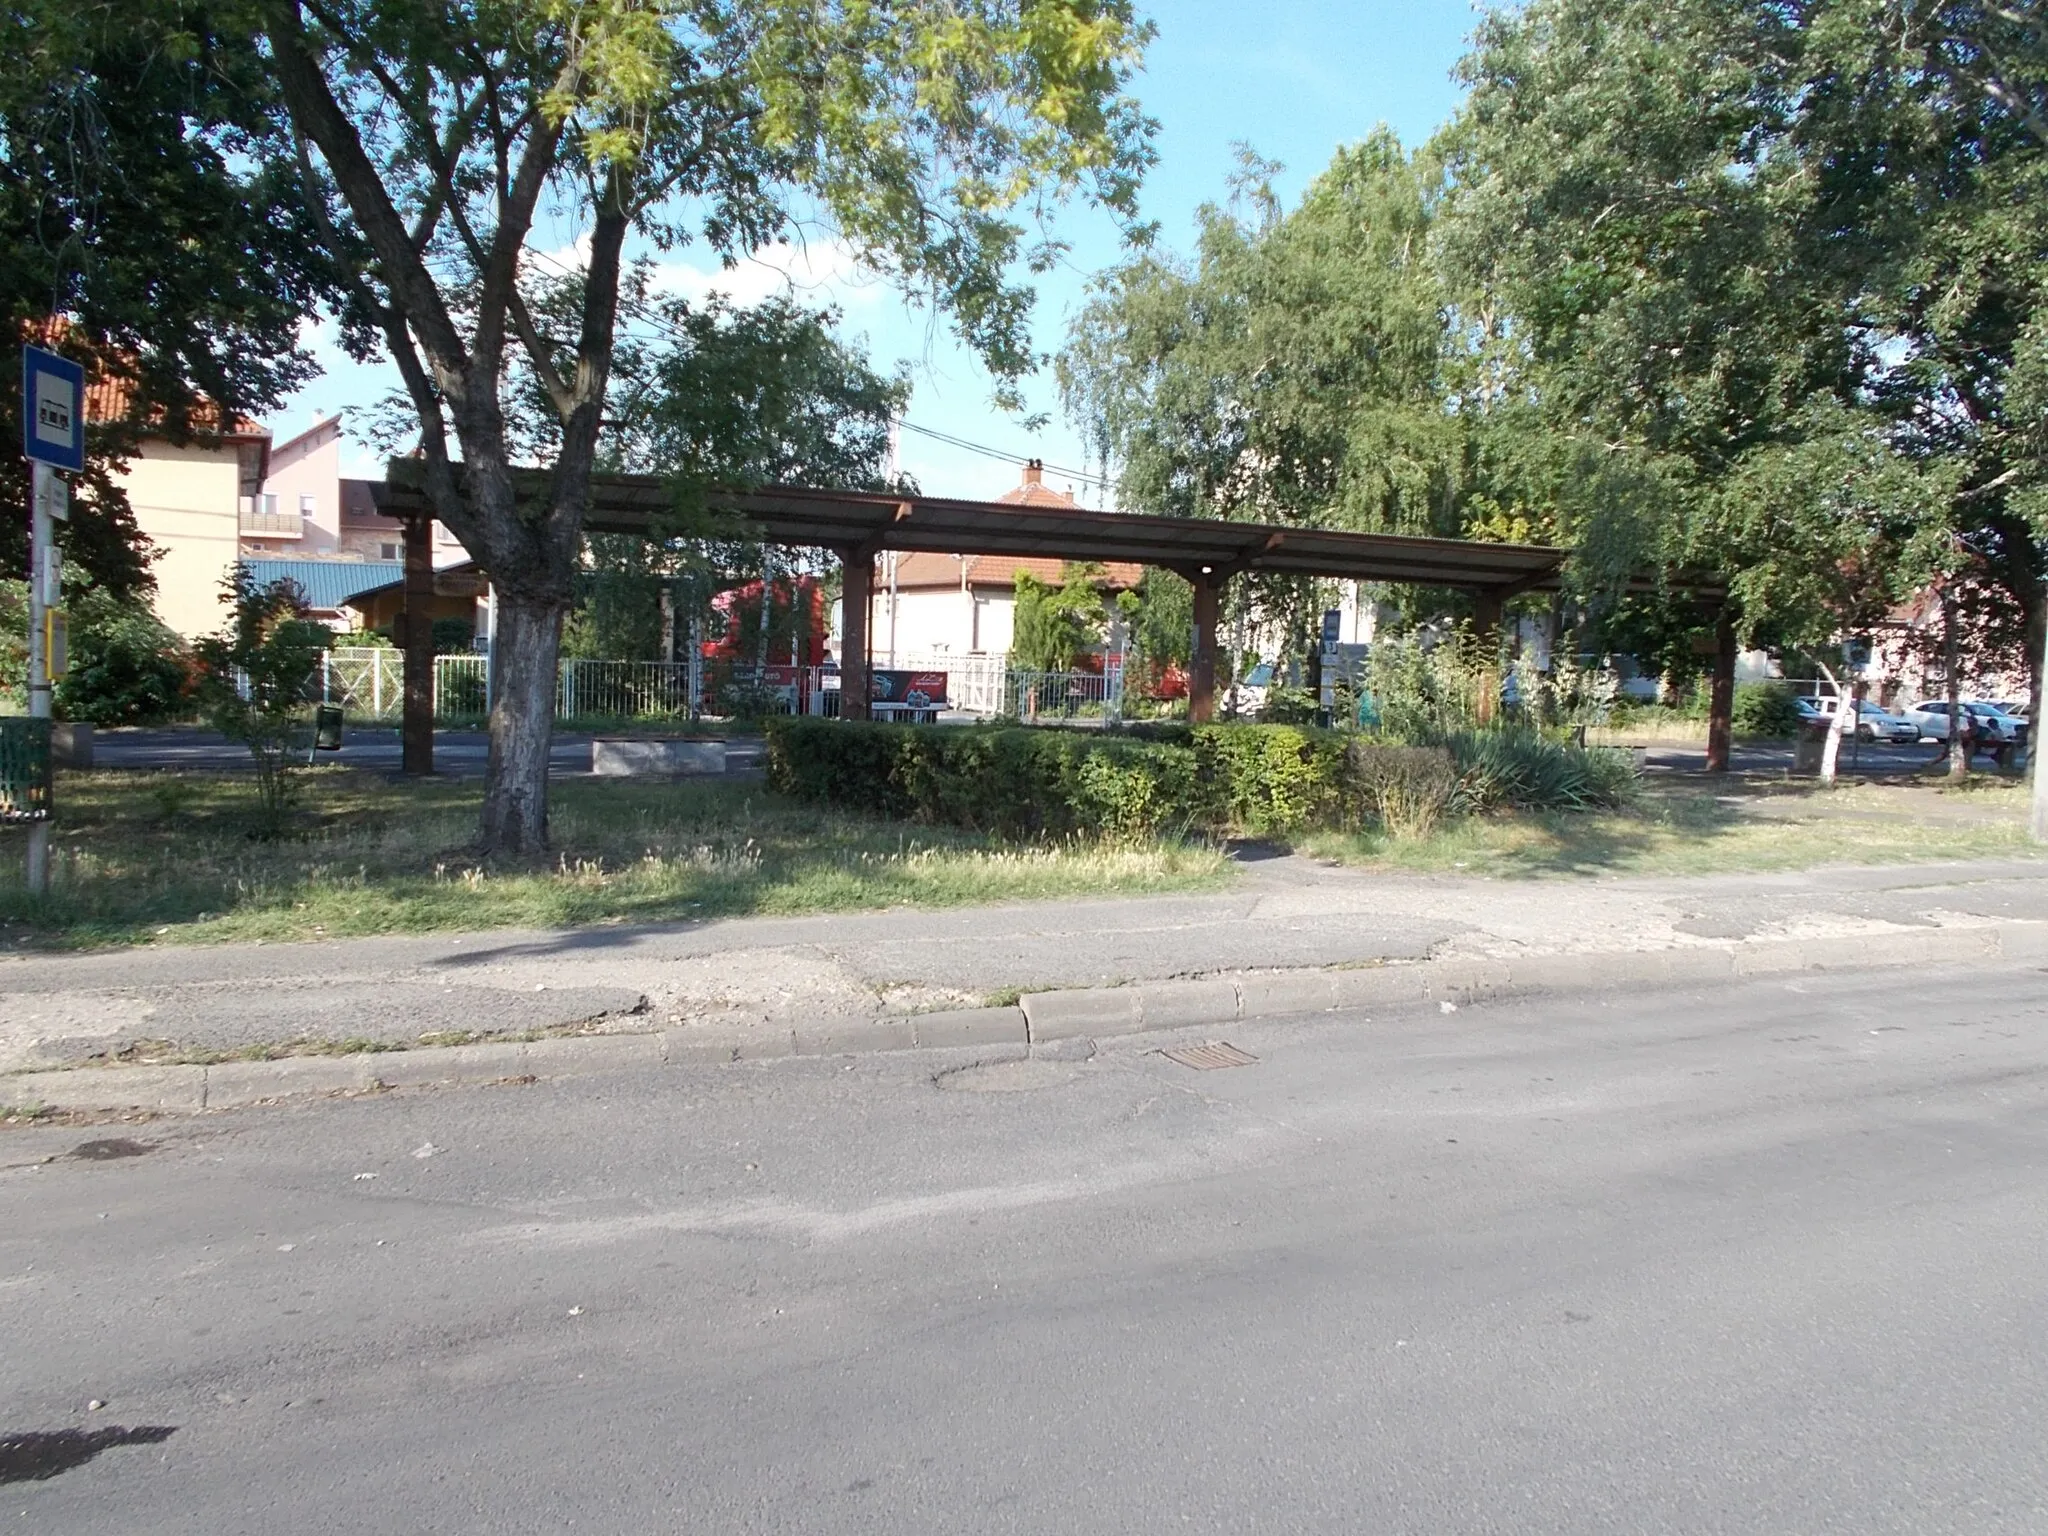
[[815, 271]]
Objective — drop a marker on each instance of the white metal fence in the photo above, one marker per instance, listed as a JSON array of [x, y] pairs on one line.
[[1032, 696], [369, 682]]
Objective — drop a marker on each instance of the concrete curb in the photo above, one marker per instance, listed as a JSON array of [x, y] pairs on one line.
[[1041, 1018]]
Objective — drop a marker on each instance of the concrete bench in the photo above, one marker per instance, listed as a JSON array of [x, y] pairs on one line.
[[654, 757]]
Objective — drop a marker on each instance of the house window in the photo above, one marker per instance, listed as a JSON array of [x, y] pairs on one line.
[[306, 503], [387, 551], [270, 503]]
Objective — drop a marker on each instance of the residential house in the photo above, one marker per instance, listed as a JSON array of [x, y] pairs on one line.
[[283, 509], [930, 606], [186, 498]]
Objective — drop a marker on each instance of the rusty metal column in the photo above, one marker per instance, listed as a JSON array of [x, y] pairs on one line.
[[857, 592], [1721, 696], [1202, 662], [416, 723], [1486, 611]]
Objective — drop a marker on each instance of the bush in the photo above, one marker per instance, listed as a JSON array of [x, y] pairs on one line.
[[126, 667], [1765, 709], [1267, 779], [1526, 770], [1006, 780], [257, 682], [1253, 779], [1409, 789]]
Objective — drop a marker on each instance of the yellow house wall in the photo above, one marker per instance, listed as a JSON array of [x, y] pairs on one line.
[[186, 501]]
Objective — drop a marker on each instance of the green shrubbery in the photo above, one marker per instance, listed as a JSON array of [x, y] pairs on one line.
[[1261, 780], [127, 668], [1765, 709]]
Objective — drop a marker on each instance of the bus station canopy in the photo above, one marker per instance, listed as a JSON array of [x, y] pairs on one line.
[[855, 521], [858, 525]]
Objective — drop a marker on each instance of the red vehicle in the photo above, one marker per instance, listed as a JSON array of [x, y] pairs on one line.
[[796, 624]]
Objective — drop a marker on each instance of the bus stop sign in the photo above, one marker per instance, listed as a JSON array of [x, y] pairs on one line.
[[52, 409]]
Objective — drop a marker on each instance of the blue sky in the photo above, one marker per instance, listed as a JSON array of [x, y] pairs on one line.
[[1294, 79]]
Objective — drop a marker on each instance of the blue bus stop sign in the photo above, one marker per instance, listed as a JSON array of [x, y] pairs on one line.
[[52, 409]]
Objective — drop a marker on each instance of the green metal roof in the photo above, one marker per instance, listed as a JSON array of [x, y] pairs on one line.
[[327, 583]]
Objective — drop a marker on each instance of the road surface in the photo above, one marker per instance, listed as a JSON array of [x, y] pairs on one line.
[[1761, 1260]]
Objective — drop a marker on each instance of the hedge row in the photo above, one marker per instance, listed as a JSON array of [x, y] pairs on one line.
[[1253, 779]]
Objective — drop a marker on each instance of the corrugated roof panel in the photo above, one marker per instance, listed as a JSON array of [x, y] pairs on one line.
[[327, 583]]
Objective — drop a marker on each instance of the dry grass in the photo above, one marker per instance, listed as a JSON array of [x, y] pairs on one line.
[[1691, 828], [174, 857]]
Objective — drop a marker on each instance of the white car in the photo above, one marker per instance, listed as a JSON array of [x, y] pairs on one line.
[[1992, 726], [1872, 723]]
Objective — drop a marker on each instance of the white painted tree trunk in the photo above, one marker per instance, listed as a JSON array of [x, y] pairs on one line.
[[1844, 722]]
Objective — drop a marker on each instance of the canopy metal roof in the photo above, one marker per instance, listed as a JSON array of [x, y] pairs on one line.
[[853, 522]]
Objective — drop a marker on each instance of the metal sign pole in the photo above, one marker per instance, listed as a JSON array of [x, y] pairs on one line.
[[39, 572], [53, 438]]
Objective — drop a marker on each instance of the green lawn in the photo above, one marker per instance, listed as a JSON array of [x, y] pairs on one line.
[[172, 857], [1688, 827]]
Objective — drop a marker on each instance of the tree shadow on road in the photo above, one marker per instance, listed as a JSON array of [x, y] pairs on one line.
[[34, 1456]]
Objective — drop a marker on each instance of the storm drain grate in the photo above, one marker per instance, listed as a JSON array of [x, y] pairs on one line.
[[1207, 1058]]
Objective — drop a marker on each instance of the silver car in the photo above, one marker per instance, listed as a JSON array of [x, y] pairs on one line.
[[1872, 722]]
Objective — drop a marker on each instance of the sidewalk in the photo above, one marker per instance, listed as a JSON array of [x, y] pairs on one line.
[[737, 982]]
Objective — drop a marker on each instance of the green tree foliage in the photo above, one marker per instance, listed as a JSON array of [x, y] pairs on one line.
[[1767, 274], [1292, 370], [435, 133], [1052, 626], [141, 206], [711, 394]]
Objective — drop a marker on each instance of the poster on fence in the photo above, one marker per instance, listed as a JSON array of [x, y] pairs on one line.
[[909, 690]]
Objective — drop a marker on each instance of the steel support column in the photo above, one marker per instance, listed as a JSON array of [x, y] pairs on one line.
[[416, 724], [1486, 613], [1721, 695], [858, 592], [1202, 662]]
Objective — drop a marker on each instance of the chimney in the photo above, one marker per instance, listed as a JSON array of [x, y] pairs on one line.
[[1034, 471]]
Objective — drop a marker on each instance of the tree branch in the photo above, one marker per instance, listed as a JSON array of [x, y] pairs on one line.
[[320, 118]]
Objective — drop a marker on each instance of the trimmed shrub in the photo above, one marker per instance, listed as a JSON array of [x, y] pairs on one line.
[[1261, 780], [1266, 779], [1006, 780]]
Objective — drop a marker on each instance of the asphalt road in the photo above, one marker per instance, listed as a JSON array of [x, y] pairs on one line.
[[461, 754], [1763, 1260]]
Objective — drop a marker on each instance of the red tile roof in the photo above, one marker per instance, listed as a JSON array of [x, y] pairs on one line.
[[926, 572], [110, 391]]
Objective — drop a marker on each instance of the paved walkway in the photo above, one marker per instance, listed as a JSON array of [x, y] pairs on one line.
[[731, 977]]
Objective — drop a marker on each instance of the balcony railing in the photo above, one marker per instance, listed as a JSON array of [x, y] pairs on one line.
[[274, 525]]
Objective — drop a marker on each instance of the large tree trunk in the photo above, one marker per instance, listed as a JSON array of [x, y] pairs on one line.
[[525, 654]]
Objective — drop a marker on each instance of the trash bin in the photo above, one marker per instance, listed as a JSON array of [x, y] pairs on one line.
[[26, 776], [1811, 746], [327, 727]]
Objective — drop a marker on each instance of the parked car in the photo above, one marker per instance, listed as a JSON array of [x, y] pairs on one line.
[[1991, 725], [1995, 723], [1931, 715], [1872, 722]]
